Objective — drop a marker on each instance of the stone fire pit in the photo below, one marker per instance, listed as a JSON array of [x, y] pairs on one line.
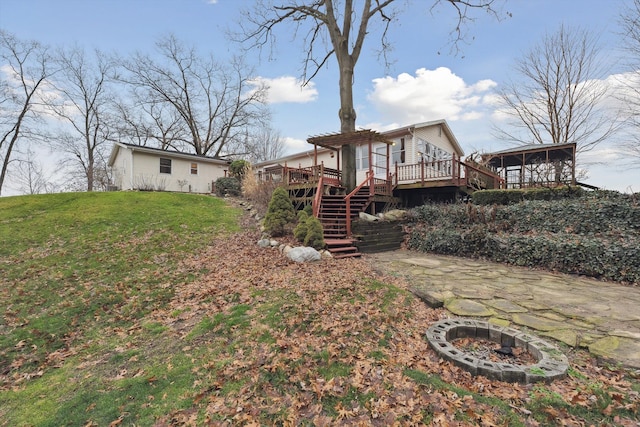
[[551, 363]]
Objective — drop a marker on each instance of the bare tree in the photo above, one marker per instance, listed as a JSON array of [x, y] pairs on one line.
[[264, 144], [560, 95], [29, 176], [337, 28], [149, 124], [26, 65], [193, 101], [82, 101], [630, 23]]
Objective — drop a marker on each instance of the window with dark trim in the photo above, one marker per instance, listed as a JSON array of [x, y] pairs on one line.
[[194, 169], [165, 166]]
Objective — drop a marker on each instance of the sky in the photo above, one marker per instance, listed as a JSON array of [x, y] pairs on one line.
[[425, 81]]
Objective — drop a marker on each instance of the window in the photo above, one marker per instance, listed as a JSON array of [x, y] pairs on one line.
[[435, 157], [397, 152], [165, 166], [362, 157], [194, 169]]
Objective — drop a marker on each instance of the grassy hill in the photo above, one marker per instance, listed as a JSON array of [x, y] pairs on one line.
[[75, 265], [159, 309]]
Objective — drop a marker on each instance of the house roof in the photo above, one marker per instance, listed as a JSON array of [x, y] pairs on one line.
[[530, 153], [532, 147], [296, 156], [411, 128], [385, 137], [162, 153]]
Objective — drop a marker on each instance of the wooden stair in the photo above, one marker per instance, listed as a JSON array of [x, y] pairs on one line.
[[333, 217]]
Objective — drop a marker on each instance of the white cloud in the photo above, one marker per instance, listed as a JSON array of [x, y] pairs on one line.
[[430, 95], [212, 1], [45, 94], [287, 89], [293, 145]]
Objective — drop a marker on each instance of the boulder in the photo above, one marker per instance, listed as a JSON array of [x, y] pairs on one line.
[[303, 254], [394, 214], [264, 243], [366, 217]]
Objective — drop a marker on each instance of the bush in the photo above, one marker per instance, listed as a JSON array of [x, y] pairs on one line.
[[300, 232], [596, 234], [509, 197], [280, 213], [258, 192], [239, 168], [308, 209], [315, 234], [227, 186]]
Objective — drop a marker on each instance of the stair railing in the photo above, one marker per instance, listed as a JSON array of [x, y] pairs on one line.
[[347, 199]]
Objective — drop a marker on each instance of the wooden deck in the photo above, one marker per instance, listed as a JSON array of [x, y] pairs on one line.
[[445, 173], [321, 187]]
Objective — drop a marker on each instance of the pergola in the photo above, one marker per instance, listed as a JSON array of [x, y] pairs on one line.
[[336, 141], [535, 165]]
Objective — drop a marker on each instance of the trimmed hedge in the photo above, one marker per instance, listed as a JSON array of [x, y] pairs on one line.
[[508, 197], [597, 234]]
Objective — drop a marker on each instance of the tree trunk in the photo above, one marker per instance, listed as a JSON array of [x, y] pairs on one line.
[[5, 163], [347, 116]]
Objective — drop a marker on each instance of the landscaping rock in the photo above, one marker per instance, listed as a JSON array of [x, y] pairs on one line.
[[264, 243], [394, 215], [304, 254], [366, 217]]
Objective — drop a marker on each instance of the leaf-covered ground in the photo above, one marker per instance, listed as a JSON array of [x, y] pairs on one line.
[[336, 343], [164, 318]]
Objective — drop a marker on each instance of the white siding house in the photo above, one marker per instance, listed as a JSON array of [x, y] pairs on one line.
[[432, 142], [143, 168]]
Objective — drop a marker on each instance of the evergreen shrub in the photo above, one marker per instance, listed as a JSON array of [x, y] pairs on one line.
[[280, 214], [300, 232], [315, 234], [227, 186], [239, 168], [308, 209]]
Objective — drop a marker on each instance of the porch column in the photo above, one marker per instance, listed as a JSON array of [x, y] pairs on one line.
[[370, 159], [573, 165], [315, 155], [388, 160]]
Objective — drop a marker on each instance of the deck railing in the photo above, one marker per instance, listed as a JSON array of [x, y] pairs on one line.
[[453, 171], [301, 175], [424, 171], [475, 176], [381, 187]]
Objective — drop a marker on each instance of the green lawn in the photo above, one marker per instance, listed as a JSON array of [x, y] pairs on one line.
[[79, 273]]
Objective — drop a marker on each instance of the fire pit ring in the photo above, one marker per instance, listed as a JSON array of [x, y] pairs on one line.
[[551, 363]]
